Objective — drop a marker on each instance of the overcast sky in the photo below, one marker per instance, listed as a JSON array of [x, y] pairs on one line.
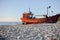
[[13, 9]]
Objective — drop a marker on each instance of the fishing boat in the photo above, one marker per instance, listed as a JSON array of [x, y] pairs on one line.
[[28, 18]]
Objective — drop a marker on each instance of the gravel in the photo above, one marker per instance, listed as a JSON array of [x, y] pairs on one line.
[[44, 31]]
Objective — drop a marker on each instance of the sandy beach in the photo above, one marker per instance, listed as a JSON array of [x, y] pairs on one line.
[[43, 31]]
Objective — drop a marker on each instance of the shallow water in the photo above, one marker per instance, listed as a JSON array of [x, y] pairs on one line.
[[9, 23]]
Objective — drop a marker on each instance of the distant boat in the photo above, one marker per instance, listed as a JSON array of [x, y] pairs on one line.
[[28, 18]]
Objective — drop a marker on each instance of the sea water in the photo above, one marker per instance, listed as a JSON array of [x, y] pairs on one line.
[[9, 23]]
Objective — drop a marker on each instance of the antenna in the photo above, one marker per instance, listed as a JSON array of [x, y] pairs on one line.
[[29, 11]]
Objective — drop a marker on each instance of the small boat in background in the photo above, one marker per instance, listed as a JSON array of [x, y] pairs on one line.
[[28, 18]]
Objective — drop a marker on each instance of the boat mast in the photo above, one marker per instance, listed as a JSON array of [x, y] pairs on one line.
[[47, 9], [29, 11]]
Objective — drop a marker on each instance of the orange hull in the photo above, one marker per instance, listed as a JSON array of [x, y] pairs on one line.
[[52, 19], [33, 21]]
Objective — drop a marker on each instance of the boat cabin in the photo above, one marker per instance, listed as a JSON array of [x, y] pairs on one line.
[[28, 15]]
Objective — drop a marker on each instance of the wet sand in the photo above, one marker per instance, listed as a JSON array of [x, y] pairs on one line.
[[43, 31]]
